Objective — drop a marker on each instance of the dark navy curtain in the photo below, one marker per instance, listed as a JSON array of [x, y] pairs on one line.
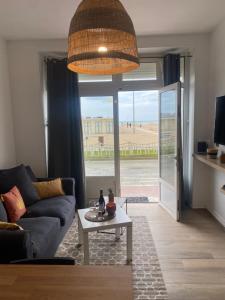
[[171, 68], [65, 142]]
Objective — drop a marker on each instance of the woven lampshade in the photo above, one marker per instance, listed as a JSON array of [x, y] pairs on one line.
[[102, 39]]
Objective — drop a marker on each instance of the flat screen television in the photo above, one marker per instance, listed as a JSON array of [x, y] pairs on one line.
[[219, 134]]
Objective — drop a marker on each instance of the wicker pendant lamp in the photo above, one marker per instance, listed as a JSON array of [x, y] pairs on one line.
[[102, 39]]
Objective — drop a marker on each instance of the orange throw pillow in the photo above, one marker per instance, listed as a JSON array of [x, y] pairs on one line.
[[14, 204]]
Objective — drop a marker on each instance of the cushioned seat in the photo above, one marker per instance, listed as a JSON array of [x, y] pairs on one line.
[[45, 223], [70, 199], [44, 232], [58, 207], [3, 214]]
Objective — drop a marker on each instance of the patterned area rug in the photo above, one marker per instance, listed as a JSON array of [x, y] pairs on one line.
[[148, 281]]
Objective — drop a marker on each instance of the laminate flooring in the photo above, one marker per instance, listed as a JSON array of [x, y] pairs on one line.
[[191, 253]]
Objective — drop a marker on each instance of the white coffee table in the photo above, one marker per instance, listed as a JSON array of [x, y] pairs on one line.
[[84, 227]]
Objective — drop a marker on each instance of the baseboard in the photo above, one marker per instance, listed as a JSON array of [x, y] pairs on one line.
[[199, 206], [217, 216], [167, 210]]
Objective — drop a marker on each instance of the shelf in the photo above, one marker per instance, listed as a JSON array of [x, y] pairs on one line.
[[213, 163]]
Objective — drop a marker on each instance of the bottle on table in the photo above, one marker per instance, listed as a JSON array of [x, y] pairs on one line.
[[101, 202], [111, 196], [111, 205]]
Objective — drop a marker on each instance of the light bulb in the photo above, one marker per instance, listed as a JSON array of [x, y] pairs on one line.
[[102, 49]]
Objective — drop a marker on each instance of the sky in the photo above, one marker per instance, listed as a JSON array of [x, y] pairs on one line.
[[145, 103]]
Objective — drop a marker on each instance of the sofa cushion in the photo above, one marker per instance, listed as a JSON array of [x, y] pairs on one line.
[[43, 231], [31, 174], [70, 199], [49, 189], [18, 177], [3, 214], [58, 207], [14, 204]]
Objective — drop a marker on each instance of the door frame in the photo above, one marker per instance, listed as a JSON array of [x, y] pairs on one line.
[[116, 141], [112, 89]]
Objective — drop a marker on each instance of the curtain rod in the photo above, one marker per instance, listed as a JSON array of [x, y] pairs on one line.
[[54, 58]]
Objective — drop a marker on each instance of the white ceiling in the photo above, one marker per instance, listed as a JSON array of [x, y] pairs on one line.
[[35, 19]]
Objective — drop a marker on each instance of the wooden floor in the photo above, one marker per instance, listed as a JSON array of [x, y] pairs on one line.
[[33, 282], [191, 254]]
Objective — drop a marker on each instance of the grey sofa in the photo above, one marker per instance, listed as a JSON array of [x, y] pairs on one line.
[[45, 224]]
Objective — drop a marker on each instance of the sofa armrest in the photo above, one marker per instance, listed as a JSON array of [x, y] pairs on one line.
[[15, 245], [68, 184]]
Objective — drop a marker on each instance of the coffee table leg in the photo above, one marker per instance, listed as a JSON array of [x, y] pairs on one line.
[[80, 234], [86, 248], [129, 243], [117, 233]]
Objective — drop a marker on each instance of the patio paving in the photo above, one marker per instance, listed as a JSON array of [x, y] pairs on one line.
[[138, 177]]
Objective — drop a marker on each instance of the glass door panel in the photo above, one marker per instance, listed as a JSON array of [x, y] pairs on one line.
[[138, 135], [168, 130], [170, 146], [98, 135]]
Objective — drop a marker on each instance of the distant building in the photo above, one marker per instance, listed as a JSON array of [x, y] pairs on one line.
[[98, 125]]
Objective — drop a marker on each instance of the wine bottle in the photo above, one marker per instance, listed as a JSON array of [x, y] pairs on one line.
[[101, 202], [111, 205], [111, 196]]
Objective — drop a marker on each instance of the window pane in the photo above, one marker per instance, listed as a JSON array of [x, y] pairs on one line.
[[98, 135], [147, 71], [168, 119], [93, 78], [138, 129]]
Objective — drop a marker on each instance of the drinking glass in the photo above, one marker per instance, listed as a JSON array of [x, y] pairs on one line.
[[93, 205]]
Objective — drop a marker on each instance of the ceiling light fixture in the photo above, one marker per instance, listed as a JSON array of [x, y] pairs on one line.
[[102, 39], [102, 49]]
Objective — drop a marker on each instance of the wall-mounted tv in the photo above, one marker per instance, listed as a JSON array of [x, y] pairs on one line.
[[219, 134]]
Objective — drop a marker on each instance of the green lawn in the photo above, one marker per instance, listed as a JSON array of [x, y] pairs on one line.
[[124, 154], [129, 154]]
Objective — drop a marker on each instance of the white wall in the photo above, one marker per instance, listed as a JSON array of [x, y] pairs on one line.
[[26, 69], [26, 86], [217, 67], [215, 200], [199, 104], [198, 44], [7, 147]]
